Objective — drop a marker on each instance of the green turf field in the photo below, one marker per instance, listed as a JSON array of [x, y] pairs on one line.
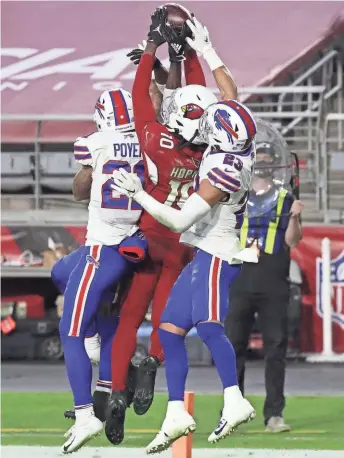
[[37, 419]]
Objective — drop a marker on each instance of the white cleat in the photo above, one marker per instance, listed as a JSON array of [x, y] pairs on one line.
[[81, 432], [69, 432], [172, 429], [236, 411]]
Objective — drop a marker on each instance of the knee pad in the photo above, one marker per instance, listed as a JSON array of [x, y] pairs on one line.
[[207, 330]]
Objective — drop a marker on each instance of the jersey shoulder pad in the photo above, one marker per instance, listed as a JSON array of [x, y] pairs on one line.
[[223, 174]]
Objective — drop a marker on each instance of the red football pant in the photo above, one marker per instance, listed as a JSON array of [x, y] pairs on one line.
[[152, 282]]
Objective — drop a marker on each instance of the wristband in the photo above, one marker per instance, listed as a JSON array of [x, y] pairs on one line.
[[212, 59]]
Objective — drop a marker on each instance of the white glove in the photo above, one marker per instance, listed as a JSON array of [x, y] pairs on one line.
[[126, 183], [202, 44], [200, 41]]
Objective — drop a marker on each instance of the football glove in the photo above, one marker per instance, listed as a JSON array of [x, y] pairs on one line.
[[176, 44], [176, 41], [155, 31], [126, 183], [176, 52], [200, 41], [136, 54]]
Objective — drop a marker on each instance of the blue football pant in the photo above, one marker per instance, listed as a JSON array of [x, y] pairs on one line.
[[199, 298], [201, 292], [90, 284], [60, 275]]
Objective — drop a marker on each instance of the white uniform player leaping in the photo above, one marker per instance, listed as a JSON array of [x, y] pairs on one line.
[[211, 220], [89, 276]]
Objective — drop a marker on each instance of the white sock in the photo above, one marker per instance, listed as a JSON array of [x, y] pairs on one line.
[[104, 385], [175, 407], [85, 413], [232, 395]]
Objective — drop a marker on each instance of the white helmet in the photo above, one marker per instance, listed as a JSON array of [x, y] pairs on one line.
[[114, 111], [229, 126], [185, 108]]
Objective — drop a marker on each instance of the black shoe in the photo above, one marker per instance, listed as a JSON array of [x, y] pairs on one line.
[[70, 414], [145, 383], [100, 404], [115, 417], [131, 383]]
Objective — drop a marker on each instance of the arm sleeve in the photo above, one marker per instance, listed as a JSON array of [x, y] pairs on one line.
[[82, 154], [143, 107], [225, 180], [194, 209], [193, 69]]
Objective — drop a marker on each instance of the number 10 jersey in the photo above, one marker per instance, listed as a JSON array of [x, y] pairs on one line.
[[111, 216], [169, 172]]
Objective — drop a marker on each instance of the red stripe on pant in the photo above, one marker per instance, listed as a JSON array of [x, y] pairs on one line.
[[80, 299], [214, 290]]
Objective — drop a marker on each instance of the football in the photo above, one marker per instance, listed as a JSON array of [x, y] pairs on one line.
[[176, 15]]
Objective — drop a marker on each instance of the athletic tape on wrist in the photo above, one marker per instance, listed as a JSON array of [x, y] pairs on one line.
[[212, 59]]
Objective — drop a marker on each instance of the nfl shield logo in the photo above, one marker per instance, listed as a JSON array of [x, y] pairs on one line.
[[337, 296]]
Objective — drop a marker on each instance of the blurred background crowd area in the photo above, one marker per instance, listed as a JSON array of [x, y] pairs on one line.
[[287, 59]]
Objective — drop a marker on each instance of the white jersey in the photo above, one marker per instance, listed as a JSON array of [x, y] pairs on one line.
[[111, 216], [218, 232]]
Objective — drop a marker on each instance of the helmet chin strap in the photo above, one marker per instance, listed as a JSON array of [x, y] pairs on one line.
[[184, 143]]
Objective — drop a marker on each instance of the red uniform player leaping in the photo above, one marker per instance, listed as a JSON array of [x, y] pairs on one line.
[[172, 155]]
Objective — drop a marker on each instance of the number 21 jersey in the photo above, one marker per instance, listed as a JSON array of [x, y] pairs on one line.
[[111, 215], [169, 172]]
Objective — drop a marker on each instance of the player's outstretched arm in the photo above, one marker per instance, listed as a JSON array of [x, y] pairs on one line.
[[144, 112], [194, 209], [82, 183], [156, 98], [202, 44], [176, 56], [193, 69]]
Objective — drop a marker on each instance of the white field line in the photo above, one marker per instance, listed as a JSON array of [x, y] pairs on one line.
[[110, 452]]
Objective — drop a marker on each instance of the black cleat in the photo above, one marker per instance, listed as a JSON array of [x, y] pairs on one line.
[[100, 404], [115, 417], [70, 414], [145, 383], [131, 383]]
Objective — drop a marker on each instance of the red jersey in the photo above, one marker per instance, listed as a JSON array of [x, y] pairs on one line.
[[169, 170]]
